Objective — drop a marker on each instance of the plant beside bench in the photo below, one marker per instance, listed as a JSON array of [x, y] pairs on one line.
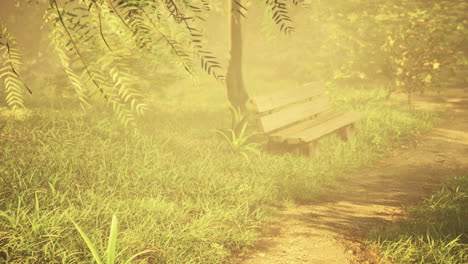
[[295, 119]]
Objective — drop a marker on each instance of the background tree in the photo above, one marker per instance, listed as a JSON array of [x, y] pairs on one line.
[[350, 46], [236, 91]]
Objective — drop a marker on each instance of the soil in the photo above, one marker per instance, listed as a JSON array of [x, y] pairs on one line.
[[333, 228]]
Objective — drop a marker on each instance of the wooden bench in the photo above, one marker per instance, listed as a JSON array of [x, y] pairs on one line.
[[295, 119]]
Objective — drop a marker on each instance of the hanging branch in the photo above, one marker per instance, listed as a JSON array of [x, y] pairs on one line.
[[77, 50], [12, 67], [172, 43], [101, 31], [280, 14]]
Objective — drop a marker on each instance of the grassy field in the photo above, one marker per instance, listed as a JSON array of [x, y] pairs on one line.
[[179, 194], [436, 231]]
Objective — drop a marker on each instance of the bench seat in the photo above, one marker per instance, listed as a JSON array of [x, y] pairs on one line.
[[295, 119], [315, 128]]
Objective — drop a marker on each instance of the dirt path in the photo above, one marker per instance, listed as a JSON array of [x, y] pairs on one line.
[[333, 229]]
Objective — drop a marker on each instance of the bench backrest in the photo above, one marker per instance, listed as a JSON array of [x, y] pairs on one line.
[[287, 107]]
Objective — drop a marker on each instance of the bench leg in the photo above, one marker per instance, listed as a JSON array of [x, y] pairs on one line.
[[347, 132], [275, 147], [310, 149], [269, 146], [313, 148]]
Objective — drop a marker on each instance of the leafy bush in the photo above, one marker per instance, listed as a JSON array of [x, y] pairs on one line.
[[408, 46]]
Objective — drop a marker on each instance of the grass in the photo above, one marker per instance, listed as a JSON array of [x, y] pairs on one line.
[[436, 231], [178, 192], [111, 252]]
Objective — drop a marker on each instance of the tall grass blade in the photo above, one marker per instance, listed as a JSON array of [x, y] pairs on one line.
[[112, 243], [90, 244]]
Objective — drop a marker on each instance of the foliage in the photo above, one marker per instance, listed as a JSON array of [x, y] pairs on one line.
[[237, 137], [414, 48], [104, 46], [433, 232], [11, 58], [363, 43]]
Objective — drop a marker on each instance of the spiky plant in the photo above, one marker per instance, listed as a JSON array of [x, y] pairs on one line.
[[237, 137]]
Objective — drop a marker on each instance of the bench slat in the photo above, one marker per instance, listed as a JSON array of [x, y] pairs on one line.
[[293, 114], [282, 135], [322, 129], [282, 98]]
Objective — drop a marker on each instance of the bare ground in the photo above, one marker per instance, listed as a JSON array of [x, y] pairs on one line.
[[333, 228]]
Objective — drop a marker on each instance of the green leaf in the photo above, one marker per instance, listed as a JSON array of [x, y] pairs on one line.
[[90, 244], [129, 260], [112, 243], [222, 134], [245, 155]]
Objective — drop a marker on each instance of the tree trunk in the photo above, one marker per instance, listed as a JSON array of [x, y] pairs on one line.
[[236, 92]]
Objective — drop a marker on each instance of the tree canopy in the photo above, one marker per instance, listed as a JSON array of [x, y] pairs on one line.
[[107, 48]]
